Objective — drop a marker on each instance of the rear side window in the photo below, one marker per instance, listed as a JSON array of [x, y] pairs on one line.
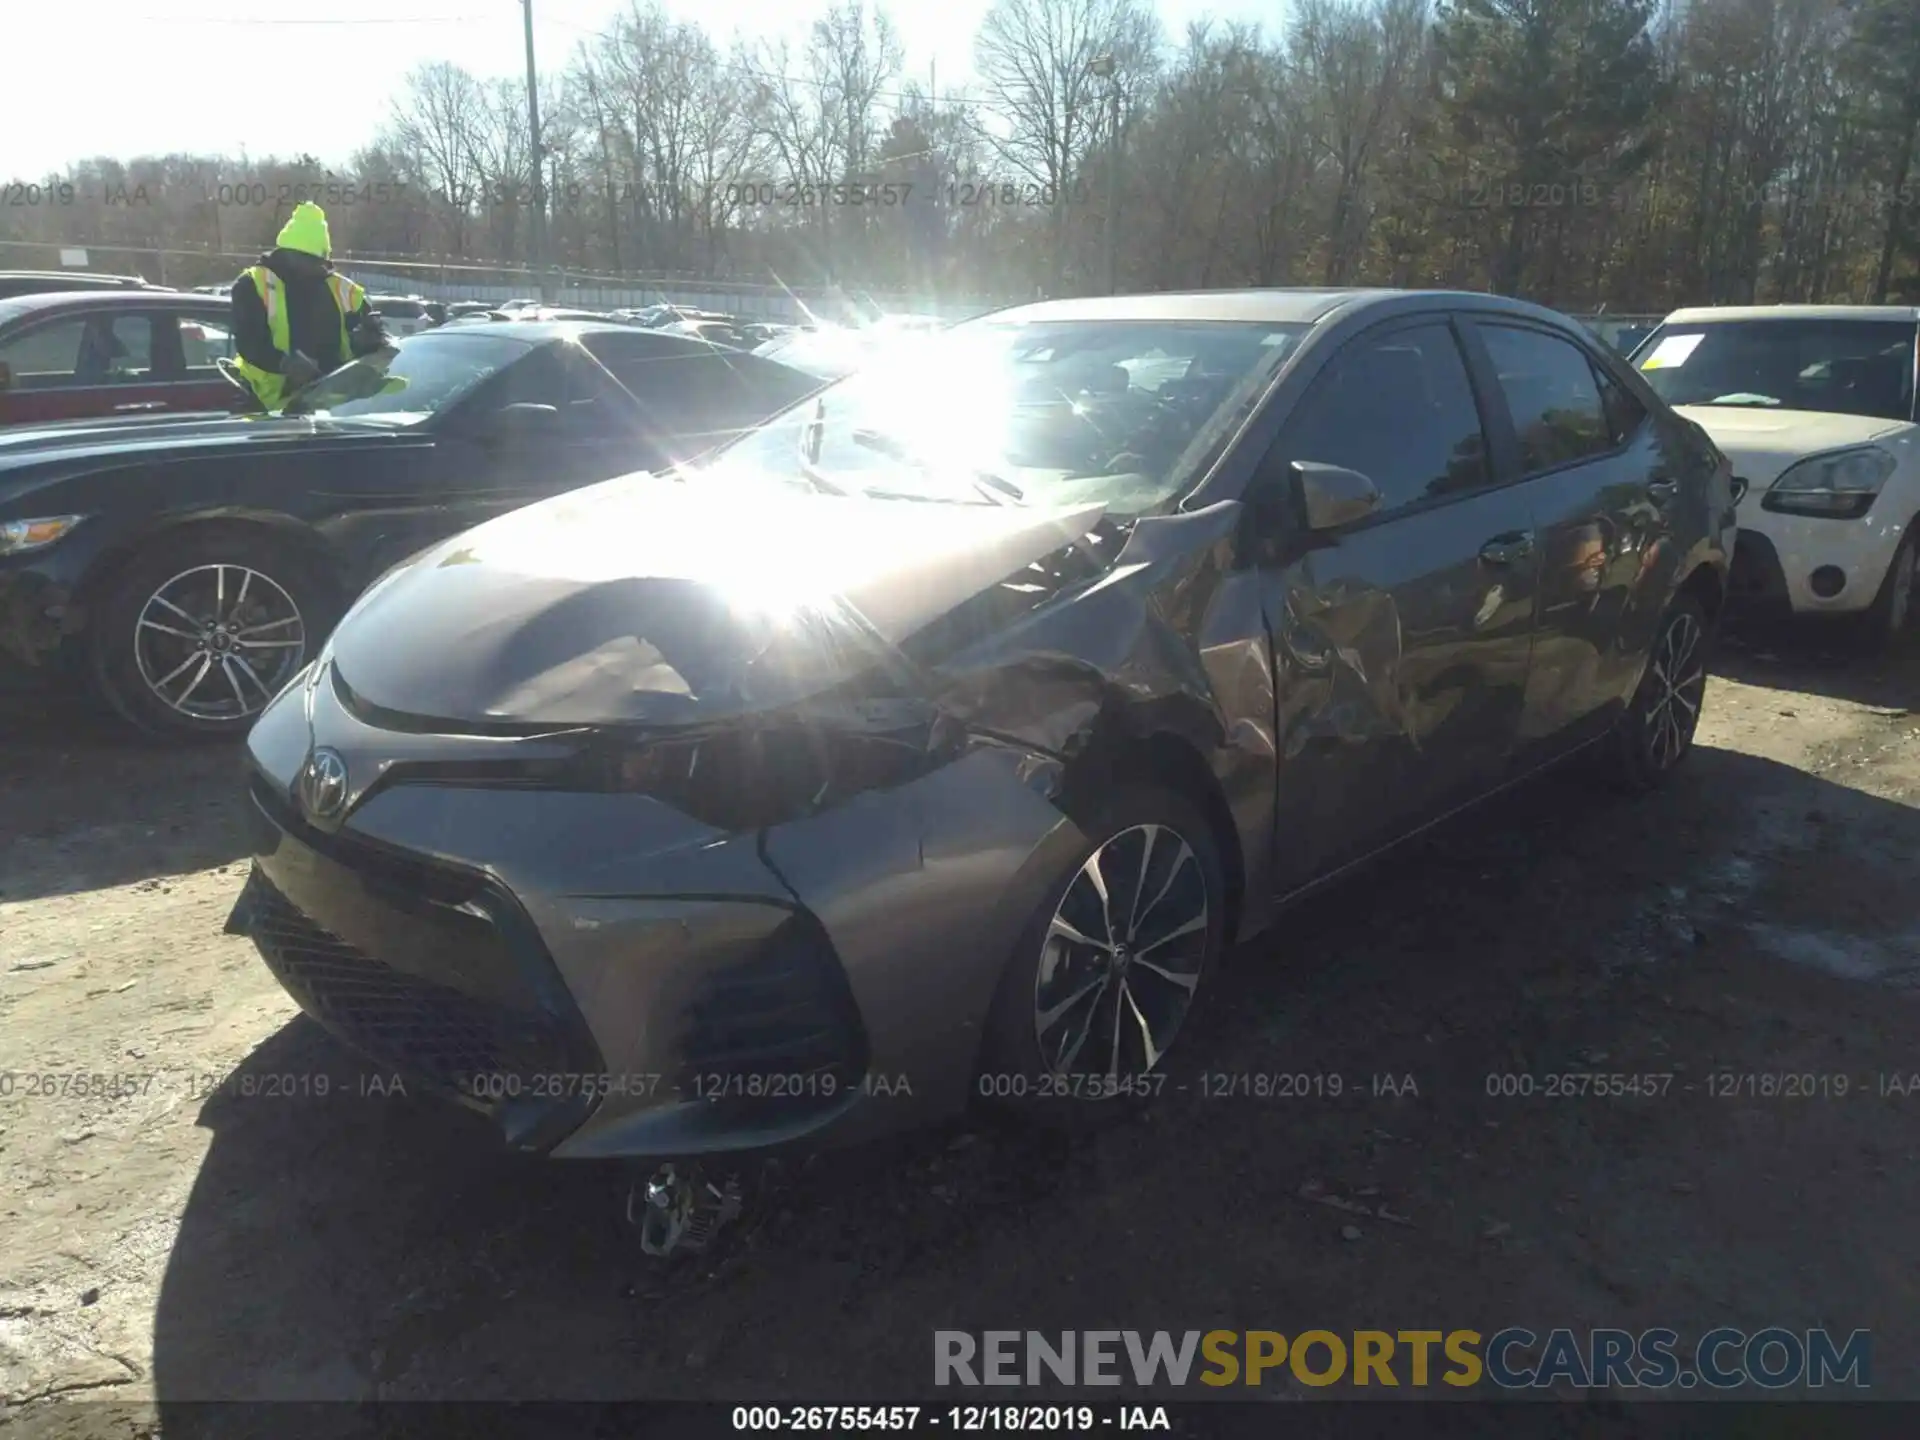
[[1623, 410], [82, 351], [202, 341], [1552, 394], [1400, 410]]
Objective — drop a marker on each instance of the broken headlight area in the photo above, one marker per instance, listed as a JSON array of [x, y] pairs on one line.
[[750, 775], [1001, 606]]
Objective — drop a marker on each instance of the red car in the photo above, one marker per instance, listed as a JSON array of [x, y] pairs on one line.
[[83, 355]]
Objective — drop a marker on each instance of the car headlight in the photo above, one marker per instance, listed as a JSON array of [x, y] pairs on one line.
[[755, 776], [1840, 486], [19, 535]]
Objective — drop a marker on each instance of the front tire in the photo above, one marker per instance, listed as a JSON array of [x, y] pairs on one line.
[[1105, 973], [1656, 734], [1891, 620], [198, 632]]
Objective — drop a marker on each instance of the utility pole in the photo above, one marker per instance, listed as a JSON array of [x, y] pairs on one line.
[[536, 237], [1106, 70], [1113, 186]]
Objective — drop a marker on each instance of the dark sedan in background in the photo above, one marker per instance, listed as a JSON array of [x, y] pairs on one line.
[[75, 356], [933, 740], [188, 566]]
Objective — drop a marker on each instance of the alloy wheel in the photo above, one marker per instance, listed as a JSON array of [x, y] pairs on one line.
[[1122, 956], [1677, 683], [217, 642]]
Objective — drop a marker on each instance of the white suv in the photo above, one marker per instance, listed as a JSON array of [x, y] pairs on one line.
[[401, 314], [1815, 407]]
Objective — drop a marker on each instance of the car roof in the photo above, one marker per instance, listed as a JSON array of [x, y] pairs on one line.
[[104, 277], [1306, 306], [1704, 314], [539, 332], [55, 300]]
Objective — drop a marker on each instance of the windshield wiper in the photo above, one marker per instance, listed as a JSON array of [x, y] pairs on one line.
[[1000, 491], [351, 377], [812, 436], [1742, 398]]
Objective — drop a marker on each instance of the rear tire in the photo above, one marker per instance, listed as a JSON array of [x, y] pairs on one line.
[[197, 632], [1105, 974], [1656, 734]]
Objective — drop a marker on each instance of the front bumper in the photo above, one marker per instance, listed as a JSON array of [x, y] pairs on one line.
[[603, 976], [37, 610], [1782, 553]]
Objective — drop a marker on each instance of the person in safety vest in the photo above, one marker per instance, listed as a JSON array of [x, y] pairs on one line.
[[294, 318]]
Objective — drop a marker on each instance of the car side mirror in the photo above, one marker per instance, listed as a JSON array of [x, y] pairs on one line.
[[6, 376], [1332, 495], [520, 423]]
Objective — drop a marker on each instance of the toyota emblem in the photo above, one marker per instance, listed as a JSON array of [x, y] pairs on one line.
[[323, 784]]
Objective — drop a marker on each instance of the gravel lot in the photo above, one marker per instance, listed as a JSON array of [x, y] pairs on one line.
[[192, 1242]]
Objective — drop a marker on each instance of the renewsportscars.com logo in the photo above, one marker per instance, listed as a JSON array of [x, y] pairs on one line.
[[1515, 1358]]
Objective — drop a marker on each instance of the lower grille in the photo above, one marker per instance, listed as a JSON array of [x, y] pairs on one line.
[[462, 1044], [786, 1011]]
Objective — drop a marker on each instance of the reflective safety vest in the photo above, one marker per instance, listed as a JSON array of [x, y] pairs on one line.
[[272, 388]]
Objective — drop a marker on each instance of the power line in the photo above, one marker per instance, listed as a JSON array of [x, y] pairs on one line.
[[302, 20]]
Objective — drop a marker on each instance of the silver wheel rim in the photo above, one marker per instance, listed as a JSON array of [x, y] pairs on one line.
[[1900, 602], [1678, 681], [1122, 956], [217, 642]]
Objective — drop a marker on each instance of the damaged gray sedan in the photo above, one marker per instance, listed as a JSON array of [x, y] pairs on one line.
[[935, 739]]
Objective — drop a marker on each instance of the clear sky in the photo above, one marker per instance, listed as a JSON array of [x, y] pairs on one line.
[[126, 77]]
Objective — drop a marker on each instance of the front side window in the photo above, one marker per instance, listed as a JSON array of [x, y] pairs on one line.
[[1399, 409], [1552, 395], [1847, 367], [1123, 412]]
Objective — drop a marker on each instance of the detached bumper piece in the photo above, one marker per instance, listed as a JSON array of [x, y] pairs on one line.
[[438, 976]]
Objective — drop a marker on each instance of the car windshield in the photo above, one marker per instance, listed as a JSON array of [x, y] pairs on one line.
[[1847, 367], [1123, 412], [411, 380]]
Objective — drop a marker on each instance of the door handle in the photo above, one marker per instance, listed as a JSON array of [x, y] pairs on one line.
[[1663, 490], [1508, 549], [141, 405]]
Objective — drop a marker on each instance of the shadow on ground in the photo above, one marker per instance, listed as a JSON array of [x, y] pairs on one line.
[[1820, 660], [83, 798], [371, 1246]]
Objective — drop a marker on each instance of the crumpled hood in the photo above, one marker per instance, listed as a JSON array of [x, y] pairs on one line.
[[660, 602], [1762, 442]]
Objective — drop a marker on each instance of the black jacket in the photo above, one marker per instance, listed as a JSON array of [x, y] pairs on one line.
[[312, 324]]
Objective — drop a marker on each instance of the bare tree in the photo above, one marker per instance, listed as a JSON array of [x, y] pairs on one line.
[[1035, 60], [434, 126]]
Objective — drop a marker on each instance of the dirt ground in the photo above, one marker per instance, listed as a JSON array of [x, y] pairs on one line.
[[188, 1241]]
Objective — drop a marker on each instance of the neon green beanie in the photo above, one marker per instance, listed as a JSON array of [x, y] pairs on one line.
[[306, 231]]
